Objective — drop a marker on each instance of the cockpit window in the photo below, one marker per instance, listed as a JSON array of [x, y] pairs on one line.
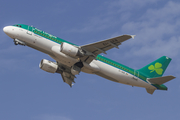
[[18, 25]]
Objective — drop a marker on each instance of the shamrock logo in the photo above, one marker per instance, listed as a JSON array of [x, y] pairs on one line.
[[157, 68]]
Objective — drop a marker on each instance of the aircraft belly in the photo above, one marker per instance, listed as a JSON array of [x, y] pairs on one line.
[[23, 36], [117, 75], [44, 45]]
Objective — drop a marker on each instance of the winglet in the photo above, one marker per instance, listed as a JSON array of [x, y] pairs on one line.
[[133, 36]]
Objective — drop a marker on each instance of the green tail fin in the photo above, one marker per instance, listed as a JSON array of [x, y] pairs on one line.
[[156, 68]]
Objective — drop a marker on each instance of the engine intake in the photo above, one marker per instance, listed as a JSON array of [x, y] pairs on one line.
[[48, 66], [71, 50]]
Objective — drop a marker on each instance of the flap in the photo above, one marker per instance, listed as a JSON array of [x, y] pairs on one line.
[[68, 78]]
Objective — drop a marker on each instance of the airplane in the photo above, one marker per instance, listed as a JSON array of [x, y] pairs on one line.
[[71, 59]]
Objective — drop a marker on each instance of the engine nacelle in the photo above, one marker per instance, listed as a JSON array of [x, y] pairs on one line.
[[71, 50], [48, 66]]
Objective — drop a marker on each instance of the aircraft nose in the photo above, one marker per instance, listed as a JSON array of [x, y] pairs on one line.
[[9, 30], [6, 29]]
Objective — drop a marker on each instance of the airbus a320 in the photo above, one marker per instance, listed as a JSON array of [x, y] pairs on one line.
[[71, 59]]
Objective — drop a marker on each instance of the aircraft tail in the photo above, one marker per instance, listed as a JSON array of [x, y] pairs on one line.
[[158, 82], [156, 68]]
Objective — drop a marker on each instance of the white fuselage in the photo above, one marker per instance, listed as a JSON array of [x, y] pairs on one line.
[[53, 49]]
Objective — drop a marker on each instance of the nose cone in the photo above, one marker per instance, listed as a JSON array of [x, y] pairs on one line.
[[6, 29], [9, 30]]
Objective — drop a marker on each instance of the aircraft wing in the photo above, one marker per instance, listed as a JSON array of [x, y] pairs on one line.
[[102, 46]]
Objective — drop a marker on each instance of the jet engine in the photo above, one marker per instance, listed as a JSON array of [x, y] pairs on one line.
[[48, 66], [71, 50]]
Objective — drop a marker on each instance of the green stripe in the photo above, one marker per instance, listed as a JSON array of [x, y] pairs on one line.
[[121, 67], [43, 34]]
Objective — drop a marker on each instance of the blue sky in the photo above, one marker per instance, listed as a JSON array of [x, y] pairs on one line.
[[28, 93]]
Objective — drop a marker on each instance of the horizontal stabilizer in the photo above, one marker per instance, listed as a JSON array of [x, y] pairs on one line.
[[160, 80]]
